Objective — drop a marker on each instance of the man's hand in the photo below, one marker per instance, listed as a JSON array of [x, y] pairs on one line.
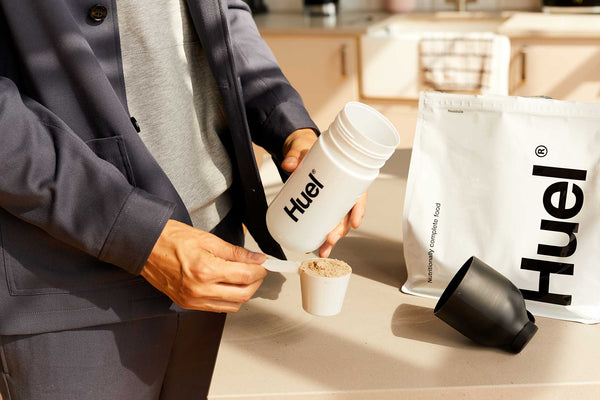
[[199, 271], [295, 148]]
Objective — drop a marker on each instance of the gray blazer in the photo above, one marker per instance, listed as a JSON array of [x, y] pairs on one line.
[[82, 201]]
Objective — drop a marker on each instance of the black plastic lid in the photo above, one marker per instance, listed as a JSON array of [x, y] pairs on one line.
[[525, 335]]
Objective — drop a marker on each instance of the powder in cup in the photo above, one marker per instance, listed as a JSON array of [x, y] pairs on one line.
[[326, 267]]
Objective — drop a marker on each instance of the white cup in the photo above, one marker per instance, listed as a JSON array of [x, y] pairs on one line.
[[323, 296]]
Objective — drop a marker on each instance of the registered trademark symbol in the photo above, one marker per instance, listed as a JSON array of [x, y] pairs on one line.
[[541, 151], [314, 171]]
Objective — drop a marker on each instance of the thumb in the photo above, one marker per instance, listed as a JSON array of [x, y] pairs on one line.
[[292, 159], [230, 252], [296, 146]]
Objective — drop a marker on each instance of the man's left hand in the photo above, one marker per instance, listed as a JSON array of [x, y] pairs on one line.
[[294, 149]]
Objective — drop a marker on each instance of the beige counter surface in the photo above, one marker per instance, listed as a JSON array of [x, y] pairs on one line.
[[552, 26], [354, 23], [386, 344], [511, 24]]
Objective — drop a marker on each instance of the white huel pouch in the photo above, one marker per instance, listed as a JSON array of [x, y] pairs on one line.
[[515, 182]]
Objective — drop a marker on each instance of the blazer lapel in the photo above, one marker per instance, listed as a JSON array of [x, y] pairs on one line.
[[210, 21]]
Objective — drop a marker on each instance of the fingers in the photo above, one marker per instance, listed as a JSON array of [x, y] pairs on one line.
[[352, 220], [336, 234], [234, 273], [235, 293], [197, 270], [291, 160], [210, 269], [218, 306], [240, 254], [293, 157], [358, 211], [325, 250], [211, 305], [295, 148], [229, 252], [219, 298]]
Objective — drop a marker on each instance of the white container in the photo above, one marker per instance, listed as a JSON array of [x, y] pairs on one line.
[[333, 175], [323, 296]]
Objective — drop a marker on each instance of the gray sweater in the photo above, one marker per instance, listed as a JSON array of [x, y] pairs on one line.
[[172, 94]]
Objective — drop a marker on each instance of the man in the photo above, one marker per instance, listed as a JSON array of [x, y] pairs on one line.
[[96, 209]]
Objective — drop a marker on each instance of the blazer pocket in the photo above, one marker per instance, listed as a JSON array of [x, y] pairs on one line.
[[113, 150], [36, 263]]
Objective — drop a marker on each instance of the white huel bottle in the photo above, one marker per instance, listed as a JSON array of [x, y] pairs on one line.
[[333, 175]]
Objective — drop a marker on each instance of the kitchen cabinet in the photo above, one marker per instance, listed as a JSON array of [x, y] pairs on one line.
[[402, 114], [324, 70], [551, 55], [390, 67], [564, 69]]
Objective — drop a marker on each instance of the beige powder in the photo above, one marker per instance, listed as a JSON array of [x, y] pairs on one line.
[[326, 267]]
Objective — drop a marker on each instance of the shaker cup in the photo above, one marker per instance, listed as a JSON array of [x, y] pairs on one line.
[[333, 175]]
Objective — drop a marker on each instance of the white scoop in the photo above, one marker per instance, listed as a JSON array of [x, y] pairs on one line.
[[276, 265]]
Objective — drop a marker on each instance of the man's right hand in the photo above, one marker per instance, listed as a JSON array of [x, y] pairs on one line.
[[199, 271]]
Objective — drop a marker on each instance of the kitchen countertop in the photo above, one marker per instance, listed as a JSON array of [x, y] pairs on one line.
[[512, 24], [353, 23], [386, 344], [552, 26]]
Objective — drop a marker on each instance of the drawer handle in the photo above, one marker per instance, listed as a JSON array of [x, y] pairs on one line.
[[523, 64], [343, 57]]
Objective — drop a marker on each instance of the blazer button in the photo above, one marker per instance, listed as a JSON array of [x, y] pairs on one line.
[[98, 13]]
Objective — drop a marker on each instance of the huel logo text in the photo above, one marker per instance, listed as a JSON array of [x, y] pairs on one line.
[[562, 213], [311, 191]]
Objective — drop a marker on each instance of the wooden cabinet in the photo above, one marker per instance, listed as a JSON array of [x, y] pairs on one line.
[[324, 70], [402, 114], [564, 69]]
